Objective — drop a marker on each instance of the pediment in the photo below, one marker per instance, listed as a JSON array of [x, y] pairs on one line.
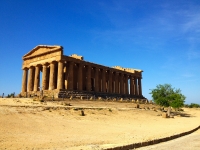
[[42, 49]]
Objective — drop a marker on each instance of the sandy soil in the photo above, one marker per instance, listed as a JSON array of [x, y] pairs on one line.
[[28, 124]]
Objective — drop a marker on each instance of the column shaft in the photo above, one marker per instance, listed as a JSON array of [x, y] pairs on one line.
[[80, 77], [52, 76], [44, 77], [126, 85], [122, 84], [140, 86], [60, 76], [97, 79], [66, 73], [89, 78], [37, 78], [116, 83], [71, 76], [104, 80], [131, 85], [110, 81], [136, 87], [30, 79], [24, 80]]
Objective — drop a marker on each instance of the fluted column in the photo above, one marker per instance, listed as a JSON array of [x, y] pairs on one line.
[[126, 85], [60, 75], [103, 80], [89, 77], [66, 73], [71, 76], [52, 76], [131, 85], [30, 79], [80, 77], [37, 78], [140, 86], [117, 82], [110, 81], [122, 84], [44, 77], [97, 79], [24, 80], [136, 87]]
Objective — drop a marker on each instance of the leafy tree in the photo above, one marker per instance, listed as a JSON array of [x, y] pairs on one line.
[[165, 95], [194, 105]]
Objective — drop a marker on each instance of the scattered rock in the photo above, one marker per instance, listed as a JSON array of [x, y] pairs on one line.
[[82, 113], [164, 115], [137, 106]]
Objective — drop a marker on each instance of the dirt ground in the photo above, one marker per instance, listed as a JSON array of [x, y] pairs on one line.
[[29, 124]]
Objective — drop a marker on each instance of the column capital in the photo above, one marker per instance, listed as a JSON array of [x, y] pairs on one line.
[[53, 62], [25, 68]]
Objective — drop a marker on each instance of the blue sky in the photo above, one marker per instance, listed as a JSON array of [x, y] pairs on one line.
[[160, 37]]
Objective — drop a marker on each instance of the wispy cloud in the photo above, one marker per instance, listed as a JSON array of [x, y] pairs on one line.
[[188, 75]]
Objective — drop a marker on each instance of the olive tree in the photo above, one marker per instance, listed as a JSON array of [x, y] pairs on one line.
[[167, 96]]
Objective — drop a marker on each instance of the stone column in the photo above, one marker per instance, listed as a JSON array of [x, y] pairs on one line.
[[131, 85], [126, 85], [30, 79], [140, 86], [136, 88], [24, 80], [60, 75], [71, 76], [117, 82], [103, 80], [110, 81], [52, 76], [66, 73], [122, 84], [89, 77], [37, 78], [97, 79], [80, 77], [44, 77]]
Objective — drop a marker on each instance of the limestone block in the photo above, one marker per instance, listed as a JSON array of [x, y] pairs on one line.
[[137, 106], [164, 115], [133, 100], [114, 99], [77, 56], [138, 101]]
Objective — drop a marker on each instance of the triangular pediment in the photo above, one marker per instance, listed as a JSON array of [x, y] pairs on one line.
[[42, 49]]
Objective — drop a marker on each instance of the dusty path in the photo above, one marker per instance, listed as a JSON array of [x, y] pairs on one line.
[[189, 142], [28, 124]]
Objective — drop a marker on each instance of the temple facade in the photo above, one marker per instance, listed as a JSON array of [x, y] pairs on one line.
[[48, 72]]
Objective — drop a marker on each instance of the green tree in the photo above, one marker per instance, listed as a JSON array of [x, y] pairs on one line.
[[194, 105], [165, 95]]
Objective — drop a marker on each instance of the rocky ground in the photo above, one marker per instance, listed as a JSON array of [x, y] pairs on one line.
[[78, 124]]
